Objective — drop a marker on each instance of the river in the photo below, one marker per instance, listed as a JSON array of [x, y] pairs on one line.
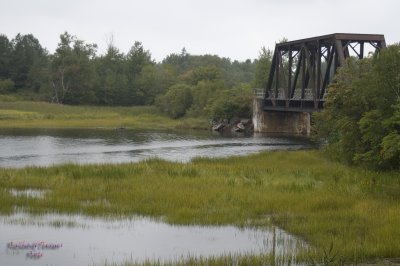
[[45, 147]]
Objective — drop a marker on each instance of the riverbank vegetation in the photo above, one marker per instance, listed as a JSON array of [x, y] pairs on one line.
[[25, 114], [354, 210], [361, 116]]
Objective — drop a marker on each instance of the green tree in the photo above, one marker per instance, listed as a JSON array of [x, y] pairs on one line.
[[167, 76], [112, 77], [380, 124], [263, 66], [137, 59], [209, 73], [149, 84], [240, 72], [179, 61], [72, 73], [360, 120], [210, 76], [176, 101], [231, 103], [391, 141], [28, 66], [204, 92], [5, 57], [6, 86]]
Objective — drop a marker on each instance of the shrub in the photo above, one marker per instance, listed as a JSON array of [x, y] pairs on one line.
[[176, 101]]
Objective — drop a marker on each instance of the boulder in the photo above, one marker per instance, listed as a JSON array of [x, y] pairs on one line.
[[246, 121], [218, 127]]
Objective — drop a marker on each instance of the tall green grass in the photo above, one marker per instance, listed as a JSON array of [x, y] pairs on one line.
[[353, 213], [224, 260], [24, 114]]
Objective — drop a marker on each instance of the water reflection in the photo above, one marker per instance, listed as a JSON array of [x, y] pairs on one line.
[[85, 240], [46, 147]]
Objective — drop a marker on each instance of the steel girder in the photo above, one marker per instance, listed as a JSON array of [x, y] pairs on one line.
[[302, 70]]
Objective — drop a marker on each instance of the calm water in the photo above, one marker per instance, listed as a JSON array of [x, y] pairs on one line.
[[88, 241], [21, 148]]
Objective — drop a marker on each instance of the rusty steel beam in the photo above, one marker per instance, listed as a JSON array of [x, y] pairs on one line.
[[300, 80]]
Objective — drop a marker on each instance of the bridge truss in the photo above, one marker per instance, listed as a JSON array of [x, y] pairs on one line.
[[302, 70]]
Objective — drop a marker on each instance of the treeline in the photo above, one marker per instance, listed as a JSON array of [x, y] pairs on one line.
[[361, 116], [182, 84]]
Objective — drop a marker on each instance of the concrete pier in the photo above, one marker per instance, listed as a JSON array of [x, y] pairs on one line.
[[292, 123]]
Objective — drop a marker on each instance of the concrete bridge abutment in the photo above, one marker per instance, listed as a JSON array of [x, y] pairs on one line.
[[291, 123]]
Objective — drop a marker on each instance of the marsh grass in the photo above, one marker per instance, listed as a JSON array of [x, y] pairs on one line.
[[224, 260], [24, 114], [355, 211]]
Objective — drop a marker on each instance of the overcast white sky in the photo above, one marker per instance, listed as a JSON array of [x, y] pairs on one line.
[[230, 28]]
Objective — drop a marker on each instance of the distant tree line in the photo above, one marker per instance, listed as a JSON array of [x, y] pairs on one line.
[[182, 84]]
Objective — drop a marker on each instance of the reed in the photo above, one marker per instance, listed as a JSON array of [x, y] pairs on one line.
[[229, 259], [352, 212]]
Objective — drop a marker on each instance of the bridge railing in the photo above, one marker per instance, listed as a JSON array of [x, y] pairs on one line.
[[297, 94], [259, 93]]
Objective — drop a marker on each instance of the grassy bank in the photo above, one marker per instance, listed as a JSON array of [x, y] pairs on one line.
[[24, 114], [357, 212]]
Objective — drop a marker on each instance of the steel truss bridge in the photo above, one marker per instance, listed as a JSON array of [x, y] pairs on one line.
[[302, 70]]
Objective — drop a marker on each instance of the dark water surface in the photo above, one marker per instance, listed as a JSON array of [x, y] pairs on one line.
[[44, 147]]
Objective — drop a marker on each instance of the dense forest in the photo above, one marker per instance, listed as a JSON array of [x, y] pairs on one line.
[[182, 84]]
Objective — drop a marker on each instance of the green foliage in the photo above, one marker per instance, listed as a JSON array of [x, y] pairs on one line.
[[179, 61], [5, 57], [233, 103], [206, 73], [391, 142], [263, 65], [194, 68], [111, 78], [360, 120], [6, 85], [25, 63], [72, 75], [176, 101], [149, 84], [211, 80], [8, 98], [204, 92], [240, 73], [137, 60], [76, 74]]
